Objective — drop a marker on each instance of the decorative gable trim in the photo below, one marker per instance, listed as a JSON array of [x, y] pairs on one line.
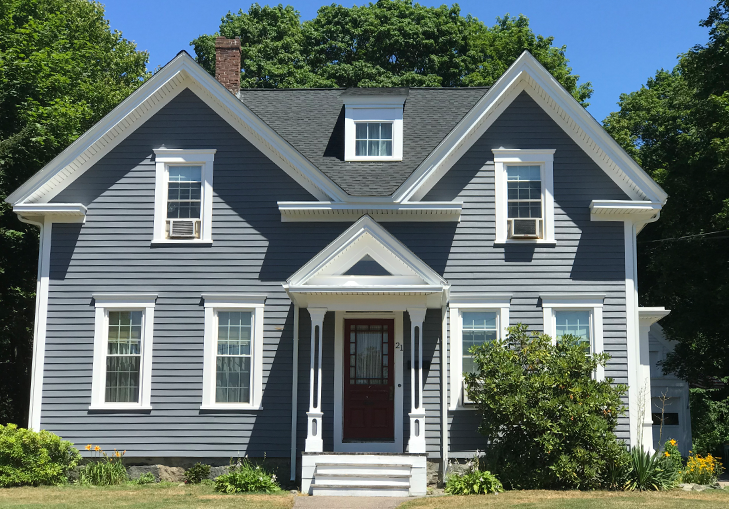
[[528, 75], [322, 211], [180, 73], [324, 273]]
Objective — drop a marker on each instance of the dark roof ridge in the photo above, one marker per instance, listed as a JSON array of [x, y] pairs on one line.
[[371, 88]]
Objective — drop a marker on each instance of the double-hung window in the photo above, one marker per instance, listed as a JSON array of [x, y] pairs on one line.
[[374, 139], [183, 195], [233, 357], [524, 195], [578, 315], [474, 321], [122, 370]]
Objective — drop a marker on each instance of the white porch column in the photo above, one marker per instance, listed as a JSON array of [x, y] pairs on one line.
[[314, 442], [416, 443]]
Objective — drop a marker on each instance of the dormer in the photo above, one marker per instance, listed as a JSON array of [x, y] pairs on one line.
[[373, 123]]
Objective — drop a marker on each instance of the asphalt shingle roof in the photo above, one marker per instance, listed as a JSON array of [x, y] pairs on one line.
[[312, 121]]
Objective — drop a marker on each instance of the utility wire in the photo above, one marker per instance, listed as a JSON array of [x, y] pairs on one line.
[[724, 235]]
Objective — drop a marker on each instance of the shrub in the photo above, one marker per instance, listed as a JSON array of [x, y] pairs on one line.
[[196, 473], [550, 423], [104, 470], [672, 460], [473, 481], [146, 478], [30, 458], [702, 470], [247, 478], [649, 471], [617, 470]]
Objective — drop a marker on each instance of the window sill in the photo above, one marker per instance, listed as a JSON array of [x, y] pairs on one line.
[[229, 407], [119, 408], [463, 406], [362, 159], [196, 242], [542, 242]]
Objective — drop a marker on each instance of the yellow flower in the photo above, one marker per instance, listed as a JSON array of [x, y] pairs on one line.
[[97, 448], [667, 455], [118, 454], [88, 447], [672, 442]]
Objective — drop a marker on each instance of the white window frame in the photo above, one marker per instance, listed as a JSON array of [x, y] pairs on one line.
[[551, 303], [232, 302], [458, 304], [105, 302], [373, 109], [544, 158], [164, 158]]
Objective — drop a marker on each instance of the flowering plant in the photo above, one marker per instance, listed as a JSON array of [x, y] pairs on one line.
[[702, 470], [245, 477], [104, 469]]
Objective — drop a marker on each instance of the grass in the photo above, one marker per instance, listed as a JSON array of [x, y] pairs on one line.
[[673, 499], [151, 496]]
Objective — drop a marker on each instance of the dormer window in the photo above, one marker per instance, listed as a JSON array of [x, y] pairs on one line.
[[373, 125]]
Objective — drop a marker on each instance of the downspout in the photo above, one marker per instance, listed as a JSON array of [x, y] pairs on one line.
[[444, 394], [294, 391]]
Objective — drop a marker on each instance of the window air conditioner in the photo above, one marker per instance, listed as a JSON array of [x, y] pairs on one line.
[[183, 228], [528, 228]]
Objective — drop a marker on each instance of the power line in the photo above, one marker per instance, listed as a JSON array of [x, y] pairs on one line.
[[724, 235]]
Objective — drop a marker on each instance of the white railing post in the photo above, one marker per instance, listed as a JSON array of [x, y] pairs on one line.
[[416, 443], [314, 442]]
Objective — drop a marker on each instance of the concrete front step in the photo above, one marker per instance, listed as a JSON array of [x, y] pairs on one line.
[[354, 480], [355, 490]]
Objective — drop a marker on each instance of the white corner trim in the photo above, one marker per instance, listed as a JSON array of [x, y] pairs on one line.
[[41, 324], [313, 211], [115, 301], [193, 157], [494, 303], [237, 302], [544, 158], [527, 74]]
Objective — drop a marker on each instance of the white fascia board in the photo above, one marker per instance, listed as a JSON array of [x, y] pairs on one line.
[[366, 290], [180, 73], [233, 299], [57, 212], [622, 210], [374, 101], [650, 315], [464, 300], [366, 225], [494, 102], [105, 300], [554, 300], [332, 211]]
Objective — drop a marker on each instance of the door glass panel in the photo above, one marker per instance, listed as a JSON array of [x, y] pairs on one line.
[[369, 354]]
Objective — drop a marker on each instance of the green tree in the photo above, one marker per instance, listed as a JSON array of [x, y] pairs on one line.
[[61, 69], [383, 44], [677, 128], [549, 422]]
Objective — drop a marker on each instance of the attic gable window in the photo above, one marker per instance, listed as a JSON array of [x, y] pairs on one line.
[[183, 196], [373, 124]]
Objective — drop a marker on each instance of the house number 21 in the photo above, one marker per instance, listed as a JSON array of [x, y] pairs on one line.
[[398, 346]]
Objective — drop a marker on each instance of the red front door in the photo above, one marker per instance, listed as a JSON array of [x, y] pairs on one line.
[[369, 385]]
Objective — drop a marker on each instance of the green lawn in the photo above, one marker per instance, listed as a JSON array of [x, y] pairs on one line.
[[152, 496], [673, 499]]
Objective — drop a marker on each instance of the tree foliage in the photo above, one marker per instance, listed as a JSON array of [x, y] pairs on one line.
[[549, 422], [388, 43], [677, 128], [61, 69]]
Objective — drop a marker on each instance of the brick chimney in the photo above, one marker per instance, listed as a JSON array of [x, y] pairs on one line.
[[227, 63]]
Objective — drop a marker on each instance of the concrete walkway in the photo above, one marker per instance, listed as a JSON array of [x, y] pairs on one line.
[[303, 502]]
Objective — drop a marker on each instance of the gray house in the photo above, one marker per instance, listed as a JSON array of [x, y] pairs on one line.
[[300, 273]]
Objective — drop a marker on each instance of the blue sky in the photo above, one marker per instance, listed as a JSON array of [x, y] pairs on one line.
[[615, 44]]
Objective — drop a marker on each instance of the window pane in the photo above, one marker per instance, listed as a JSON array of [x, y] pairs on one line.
[[125, 332], [373, 148], [122, 379], [232, 379], [386, 131], [576, 323], [185, 173], [361, 148], [361, 133], [385, 148], [523, 173], [478, 328], [373, 131]]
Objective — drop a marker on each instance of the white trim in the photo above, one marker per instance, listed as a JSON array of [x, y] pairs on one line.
[[41, 324], [164, 158], [592, 302], [625, 210], [544, 158], [103, 303], [326, 211], [339, 445], [633, 333], [445, 441], [647, 316], [498, 304], [180, 73], [214, 303], [368, 114], [59, 212], [294, 392], [527, 74]]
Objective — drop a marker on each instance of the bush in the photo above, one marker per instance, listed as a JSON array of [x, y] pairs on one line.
[[104, 470], [196, 473], [672, 460], [30, 458], [247, 478], [702, 470], [550, 423], [617, 470], [649, 471], [146, 478], [473, 481]]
